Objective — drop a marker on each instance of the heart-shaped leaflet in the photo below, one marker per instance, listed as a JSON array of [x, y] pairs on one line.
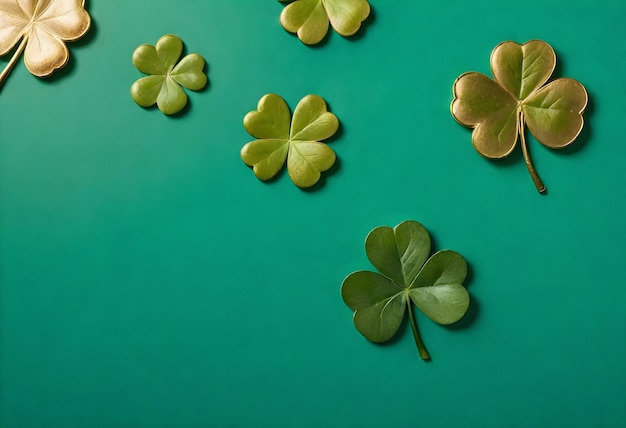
[[309, 19], [297, 140], [407, 277], [163, 85], [40, 30], [499, 109]]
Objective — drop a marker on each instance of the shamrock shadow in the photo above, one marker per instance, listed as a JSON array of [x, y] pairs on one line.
[[68, 68], [324, 176], [333, 170], [205, 70], [472, 311], [180, 113], [317, 45], [317, 186], [585, 135], [274, 179], [190, 101], [322, 181], [369, 21], [560, 70], [514, 158]]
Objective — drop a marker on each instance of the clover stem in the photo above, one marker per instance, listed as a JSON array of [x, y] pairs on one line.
[[529, 163], [416, 334], [13, 60]]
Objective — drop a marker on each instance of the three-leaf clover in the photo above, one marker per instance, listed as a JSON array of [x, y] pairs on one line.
[[499, 110], [298, 140], [43, 26], [167, 75], [407, 276], [309, 18]]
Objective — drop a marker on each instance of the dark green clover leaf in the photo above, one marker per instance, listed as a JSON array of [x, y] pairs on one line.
[[407, 276], [298, 140], [166, 75]]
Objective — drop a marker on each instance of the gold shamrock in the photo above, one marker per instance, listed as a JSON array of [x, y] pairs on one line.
[[499, 109], [43, 26]]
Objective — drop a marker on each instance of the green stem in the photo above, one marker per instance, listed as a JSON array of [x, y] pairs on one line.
[[13, 60], [529, 163], [416, 334]]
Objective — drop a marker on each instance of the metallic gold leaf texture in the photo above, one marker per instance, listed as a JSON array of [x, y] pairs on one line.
[[43, 26], [499, 109], [309, 19]]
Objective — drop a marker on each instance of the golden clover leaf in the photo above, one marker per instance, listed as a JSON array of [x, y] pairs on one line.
[[500, 109], [43, 26]]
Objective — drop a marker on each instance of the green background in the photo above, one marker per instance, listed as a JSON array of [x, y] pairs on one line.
[[148, 279]]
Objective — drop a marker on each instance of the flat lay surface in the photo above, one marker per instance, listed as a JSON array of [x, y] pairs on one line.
[[149, 279]]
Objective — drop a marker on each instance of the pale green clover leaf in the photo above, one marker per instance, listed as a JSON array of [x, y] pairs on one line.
[[298, 140], [500, 109], [166, 75], [407, 276], [309, 18]]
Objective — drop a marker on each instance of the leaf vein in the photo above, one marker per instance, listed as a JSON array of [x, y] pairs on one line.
[[386, 305]]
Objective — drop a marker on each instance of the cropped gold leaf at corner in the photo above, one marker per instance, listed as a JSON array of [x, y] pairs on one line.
[[500, 109], [309, 19], [41, 27]]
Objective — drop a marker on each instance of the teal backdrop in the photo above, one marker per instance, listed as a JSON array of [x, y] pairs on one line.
[[148, 279]]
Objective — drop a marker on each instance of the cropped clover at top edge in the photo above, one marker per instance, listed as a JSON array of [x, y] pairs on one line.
[[166, 75], [309, 19], [408, 276], [297, 139], [499, 109], [43, 28]]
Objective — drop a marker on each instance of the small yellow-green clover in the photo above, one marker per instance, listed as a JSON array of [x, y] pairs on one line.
[[298, 140], [500, 109], [166, 75], [309, 19]]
